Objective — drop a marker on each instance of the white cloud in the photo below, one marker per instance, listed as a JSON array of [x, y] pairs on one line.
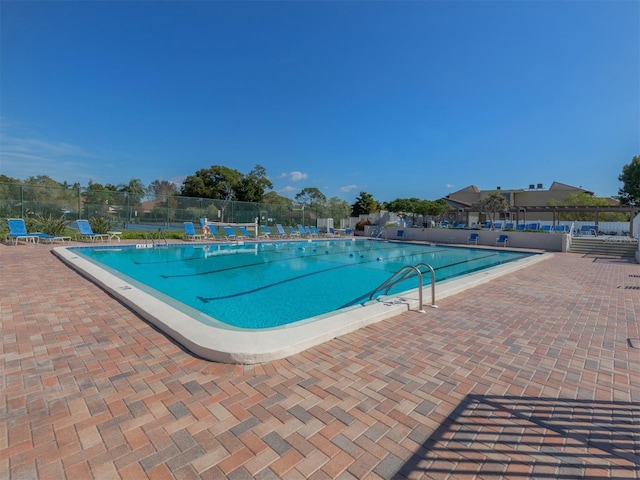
[[23, 157], [294, 176], [288, 189], [449, 185], [348, 188]]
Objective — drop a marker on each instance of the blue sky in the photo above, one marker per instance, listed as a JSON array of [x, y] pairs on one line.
[[397, 99]]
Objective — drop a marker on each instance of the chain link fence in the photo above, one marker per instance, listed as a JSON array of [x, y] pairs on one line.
[[142, 212]]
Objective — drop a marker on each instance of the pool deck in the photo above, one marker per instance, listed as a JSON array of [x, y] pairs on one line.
[[533, 375]]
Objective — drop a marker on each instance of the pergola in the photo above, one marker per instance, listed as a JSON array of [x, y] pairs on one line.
[[633, 211]]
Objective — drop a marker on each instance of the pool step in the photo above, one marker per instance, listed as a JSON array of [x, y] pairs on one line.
[[604, 246]]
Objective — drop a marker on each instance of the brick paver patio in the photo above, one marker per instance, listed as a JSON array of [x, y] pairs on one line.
[[535, 375]]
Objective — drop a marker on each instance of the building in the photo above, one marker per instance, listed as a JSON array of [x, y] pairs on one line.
[[519, 201]]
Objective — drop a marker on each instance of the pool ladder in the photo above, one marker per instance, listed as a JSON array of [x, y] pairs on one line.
[[404, 273], [149, 237]]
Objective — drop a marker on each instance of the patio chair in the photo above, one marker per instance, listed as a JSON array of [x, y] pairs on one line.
[[293, 232], [473, 239], [18, 231], [86, 232], [502, 240], [281, 231], [400, 235], [315, 231], [230, 233], [190, 232], [246, 233], [265, 231]]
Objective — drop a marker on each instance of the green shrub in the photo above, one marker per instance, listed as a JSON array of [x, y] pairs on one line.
[[48, 224], [101, 224]]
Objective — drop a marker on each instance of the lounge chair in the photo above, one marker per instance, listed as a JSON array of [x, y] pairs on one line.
[[303, 232], [281, 231], [18, 227], [293, 232], [190, 232], [400, 234], [348, 231], [588, 231], [246, 233], [230, 233], [473, 239], [332, 232], [18, 231], [502, 240], [315, 231], [265, 231], [86, 232]]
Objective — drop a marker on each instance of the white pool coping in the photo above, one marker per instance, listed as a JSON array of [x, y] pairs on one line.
[[228, 345]]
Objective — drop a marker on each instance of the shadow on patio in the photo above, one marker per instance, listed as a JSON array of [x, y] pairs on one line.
[[532, 437]]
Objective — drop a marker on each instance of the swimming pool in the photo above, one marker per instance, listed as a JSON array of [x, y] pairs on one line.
[[266, 287]]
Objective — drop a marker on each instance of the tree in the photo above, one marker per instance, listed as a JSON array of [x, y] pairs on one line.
[[434, 208], [213, 182], [311, 197], [97, 199], [274, 198], [629, 194], [582, 199], [405, 206], [251, 188], [364, 205], [162, 188], [491, 205]]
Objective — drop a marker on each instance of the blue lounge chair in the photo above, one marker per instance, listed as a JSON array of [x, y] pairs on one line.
[[293, 232], [315, 231], [18, 228], [348, 231], [281, 231], [302, 231], [18, 231], [86, 232], [473, 239], [400, 234], [502, 240], [230, 233], [190, 232], [332, 232], [265, 231], [588, 230], [246, 233]]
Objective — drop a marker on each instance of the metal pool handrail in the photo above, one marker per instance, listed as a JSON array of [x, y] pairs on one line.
[[149, 236], [402, 275]]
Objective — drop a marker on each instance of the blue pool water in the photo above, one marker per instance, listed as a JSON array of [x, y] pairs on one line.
[[264, 285]]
